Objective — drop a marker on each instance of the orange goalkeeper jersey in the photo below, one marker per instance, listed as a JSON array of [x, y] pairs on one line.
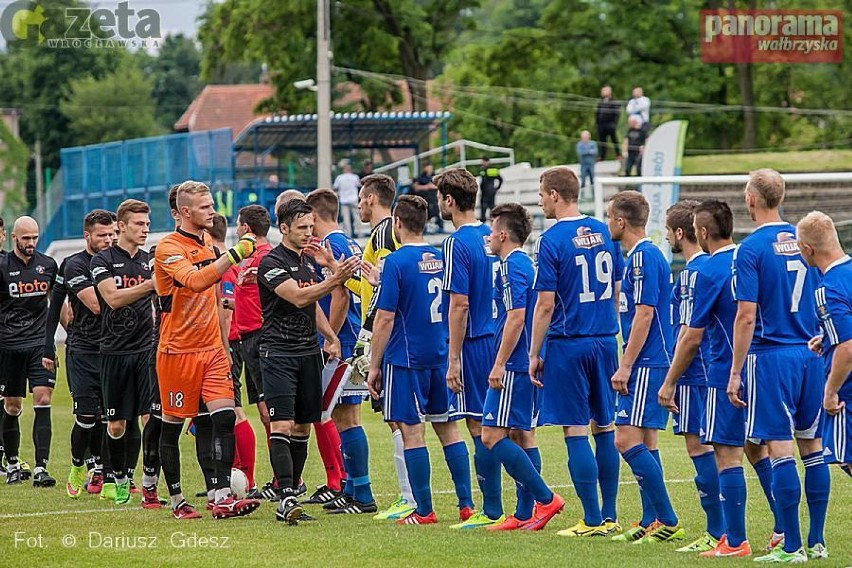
[[184, 279]]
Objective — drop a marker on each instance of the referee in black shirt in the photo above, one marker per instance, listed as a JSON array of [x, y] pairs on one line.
[[290, 360]]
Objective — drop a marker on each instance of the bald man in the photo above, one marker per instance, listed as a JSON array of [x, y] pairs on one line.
[[820, 247], [288, 195], [26, 279]]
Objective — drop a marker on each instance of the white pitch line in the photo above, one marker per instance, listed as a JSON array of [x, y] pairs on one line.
[[438, 492]]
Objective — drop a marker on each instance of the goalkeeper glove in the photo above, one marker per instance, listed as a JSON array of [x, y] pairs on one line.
[[244, 248], [360, 361]]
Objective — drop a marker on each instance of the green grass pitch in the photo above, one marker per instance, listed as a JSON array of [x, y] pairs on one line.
[[43, 527]]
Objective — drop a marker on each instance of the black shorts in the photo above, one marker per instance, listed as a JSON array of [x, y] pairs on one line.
[[236, 372], [249, 348], [292, 387], [156, 405], [23, 366], [126, 385], [84, 381]]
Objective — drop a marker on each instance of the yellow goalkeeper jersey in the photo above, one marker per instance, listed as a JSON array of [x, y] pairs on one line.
[[382, 242]]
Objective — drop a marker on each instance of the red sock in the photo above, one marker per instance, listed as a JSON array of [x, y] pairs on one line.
[[246, 445], [328, 442]]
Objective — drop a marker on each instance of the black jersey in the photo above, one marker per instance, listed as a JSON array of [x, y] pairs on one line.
[[24, 292], [84, 331], [287, 329], [128, 329]]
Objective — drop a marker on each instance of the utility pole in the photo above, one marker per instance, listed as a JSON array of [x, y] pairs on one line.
[[323, 95]]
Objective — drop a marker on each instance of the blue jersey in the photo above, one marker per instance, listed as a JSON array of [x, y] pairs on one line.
[[341, 244], [683, 302], [578, 261], [410, 288], [646, 282], [715, 313], [769, 271], [471, 270], [834, 308], [514, 291]]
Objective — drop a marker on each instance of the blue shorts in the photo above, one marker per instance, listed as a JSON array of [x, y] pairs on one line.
[[577, 386], [835, 435], [477, 358], [784, 388], [412, 396], [723, 422], [690, 401], [513, 406], [639, 407]]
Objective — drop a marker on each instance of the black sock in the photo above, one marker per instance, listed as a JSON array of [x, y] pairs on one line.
[[81, 432], [2, 448], [170, 455], [11, 437], [118, 455], [223, 445], [282, 460], [204, 449], [134, 445], [299, 451], [105, 457], [151, 446], [42, 432], [96, 442]]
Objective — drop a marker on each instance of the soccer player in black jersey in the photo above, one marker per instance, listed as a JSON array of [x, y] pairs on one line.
[[122, 276], [26, 277], [82, 357]]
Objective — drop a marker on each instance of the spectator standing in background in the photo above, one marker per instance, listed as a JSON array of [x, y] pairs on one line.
[[587, 152], [640, 106], [635, 145], [490, 182], [425, 188], [347, 185], [606, 119], [366, 169]]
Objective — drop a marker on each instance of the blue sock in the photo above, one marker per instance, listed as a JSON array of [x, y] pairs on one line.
[[707, 482], [788, 494], [649, 514], [521, 469], [354, 440], [488, 475], [526, 501], [346, 453], [733, 488], [584, 474], [817, 489], [419, 473], [763, 469], [648, 473], [609, 463], [458, 460]]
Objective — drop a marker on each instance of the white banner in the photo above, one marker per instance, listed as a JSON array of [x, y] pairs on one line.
[[662, 157]]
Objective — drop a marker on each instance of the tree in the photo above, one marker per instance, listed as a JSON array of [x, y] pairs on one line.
[[116, 107], [411, 36], [13, 173]]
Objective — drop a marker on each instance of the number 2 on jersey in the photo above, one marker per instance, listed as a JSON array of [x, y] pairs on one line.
[[434, 287], [603, 273]]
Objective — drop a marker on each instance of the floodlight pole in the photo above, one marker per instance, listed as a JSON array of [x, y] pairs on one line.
[[323, 95]]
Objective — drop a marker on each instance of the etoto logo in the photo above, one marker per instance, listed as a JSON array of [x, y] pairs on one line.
[[126, 281], [26, 289]]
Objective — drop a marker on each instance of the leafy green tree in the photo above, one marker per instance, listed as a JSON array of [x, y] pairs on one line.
[[174, 72], [116, 107]]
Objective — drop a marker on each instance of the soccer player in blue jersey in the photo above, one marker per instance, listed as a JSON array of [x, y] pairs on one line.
[[646, 328], [692, 385], [573, 350], [409, 357], [343, 309], [469, 276], [722, 424], [509, 411], [776, 317], [820, 247]]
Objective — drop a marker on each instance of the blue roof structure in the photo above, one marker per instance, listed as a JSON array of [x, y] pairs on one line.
[[349, 130]]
